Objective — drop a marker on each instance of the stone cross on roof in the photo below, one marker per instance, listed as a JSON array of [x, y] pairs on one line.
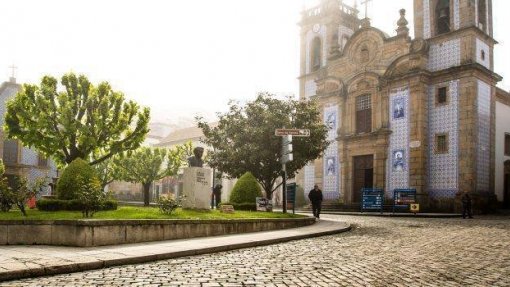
[[13, 73], [365, 2]]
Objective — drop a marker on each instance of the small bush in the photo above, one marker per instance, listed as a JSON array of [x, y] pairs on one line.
[[73, 177], [168, 203], [246, 190]]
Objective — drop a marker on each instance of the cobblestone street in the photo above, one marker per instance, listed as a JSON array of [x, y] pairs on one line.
[[378, 252]]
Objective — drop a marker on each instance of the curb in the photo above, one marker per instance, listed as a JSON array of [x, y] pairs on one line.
[[99, 264], [406, 215]]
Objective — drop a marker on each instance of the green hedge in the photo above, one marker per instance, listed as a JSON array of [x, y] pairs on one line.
[[242, 206], [70, 205]]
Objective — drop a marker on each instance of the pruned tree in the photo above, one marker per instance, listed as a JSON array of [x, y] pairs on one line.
[[75, 119], [146, 165], [244, 139]]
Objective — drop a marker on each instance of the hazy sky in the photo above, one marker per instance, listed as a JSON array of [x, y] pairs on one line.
[[179, 57]]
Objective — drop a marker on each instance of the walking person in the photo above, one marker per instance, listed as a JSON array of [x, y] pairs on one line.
[[315, 197], [466, 206], [216, 196]]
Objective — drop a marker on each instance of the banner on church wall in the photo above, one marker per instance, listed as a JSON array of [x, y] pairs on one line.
[[331, 172]]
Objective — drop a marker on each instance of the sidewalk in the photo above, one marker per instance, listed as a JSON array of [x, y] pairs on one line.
[[18, 262]]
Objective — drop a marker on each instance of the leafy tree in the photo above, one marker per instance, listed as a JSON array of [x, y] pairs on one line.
[[246, 190], [145, 165], [76, 119], [244, 138], [106, 172]]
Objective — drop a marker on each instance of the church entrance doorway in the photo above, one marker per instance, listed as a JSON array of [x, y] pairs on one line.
[[363, 176], [506, 194]]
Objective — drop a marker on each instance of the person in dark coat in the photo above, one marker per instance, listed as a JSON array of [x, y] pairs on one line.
[[466, 206], [315, 197], [216, 196]]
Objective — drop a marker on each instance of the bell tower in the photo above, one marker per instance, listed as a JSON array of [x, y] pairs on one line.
[[325, 30], [460, 59]]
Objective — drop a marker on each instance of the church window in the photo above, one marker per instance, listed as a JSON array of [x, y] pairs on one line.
[[442, 96], [482, 14], [507, 144], [364, 114], [316, 54], [441, 143], [443, 17], [11, 151]]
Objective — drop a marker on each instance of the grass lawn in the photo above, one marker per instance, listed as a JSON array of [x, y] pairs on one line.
[[130, 212]]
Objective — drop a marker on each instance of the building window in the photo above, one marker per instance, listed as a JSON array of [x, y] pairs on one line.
[[442, 143], [507, 144], [42, 160], [443, 16], [482, 14], [482, 55], [316, 54], [364, 114], [11, 152], [442, 96]]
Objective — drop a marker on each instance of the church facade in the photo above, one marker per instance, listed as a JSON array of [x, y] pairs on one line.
[[406, 112]]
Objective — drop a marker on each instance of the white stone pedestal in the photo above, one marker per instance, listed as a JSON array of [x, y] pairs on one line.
[[197, 188]]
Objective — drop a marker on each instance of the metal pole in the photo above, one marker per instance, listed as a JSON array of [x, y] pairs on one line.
[[284, 186]]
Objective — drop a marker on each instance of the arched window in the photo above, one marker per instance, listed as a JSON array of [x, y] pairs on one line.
[[316, 54], [482, 14], [443, 17]]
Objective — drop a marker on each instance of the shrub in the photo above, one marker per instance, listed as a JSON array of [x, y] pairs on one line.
[[168, 203], [71, 205], [73, 177], [6, 196], [246, 190], [90, 194]]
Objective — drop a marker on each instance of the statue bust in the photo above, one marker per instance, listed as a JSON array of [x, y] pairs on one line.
[[196, 160]]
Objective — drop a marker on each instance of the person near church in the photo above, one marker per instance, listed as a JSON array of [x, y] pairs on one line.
[[216, 196], [466, 206], [315, 197]]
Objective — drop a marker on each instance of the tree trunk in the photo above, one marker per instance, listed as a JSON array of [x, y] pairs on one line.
[[146, 193]]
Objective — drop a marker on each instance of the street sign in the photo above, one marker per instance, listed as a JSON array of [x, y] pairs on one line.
[[414, 208], [372, 199], [292, 132]]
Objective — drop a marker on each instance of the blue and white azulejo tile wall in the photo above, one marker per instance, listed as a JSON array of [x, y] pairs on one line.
[[331, 164], [484, 124], [443, 168], [398, 153]]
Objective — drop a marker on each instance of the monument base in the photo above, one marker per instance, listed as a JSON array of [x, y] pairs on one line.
[[197, 188]]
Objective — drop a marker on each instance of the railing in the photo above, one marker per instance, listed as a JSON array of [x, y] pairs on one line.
[[317, 10]]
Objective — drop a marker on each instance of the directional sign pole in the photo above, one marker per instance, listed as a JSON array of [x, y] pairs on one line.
[[287, 155]]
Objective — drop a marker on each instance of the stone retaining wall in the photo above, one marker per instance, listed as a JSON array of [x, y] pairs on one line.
[[84, 233]]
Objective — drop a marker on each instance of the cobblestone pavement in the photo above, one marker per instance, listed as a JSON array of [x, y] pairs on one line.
[[378, 252]]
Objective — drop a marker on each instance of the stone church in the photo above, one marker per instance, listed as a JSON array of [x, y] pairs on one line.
[[406, 112]]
